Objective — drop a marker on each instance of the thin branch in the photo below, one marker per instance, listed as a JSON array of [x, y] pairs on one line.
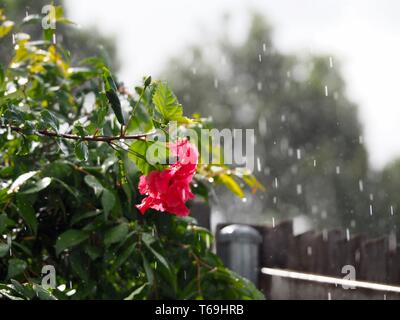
[[84, 138]]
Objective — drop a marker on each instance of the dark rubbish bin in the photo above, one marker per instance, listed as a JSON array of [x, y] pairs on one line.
[[239, 250]]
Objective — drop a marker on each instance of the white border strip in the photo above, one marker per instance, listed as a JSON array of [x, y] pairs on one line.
[[330, 280]]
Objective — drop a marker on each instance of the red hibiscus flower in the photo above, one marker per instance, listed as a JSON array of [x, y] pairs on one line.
[[169, 190]]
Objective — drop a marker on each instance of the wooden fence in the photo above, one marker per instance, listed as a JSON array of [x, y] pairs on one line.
[[324, 253]]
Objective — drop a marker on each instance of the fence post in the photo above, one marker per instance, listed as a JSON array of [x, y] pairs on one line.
[[239, 250]]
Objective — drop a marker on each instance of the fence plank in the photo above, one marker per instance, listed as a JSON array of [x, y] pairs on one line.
[[373, 260]]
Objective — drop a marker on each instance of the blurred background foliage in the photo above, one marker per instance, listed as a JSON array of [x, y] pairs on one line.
[[80, 42], [68, 201], [309, 142]]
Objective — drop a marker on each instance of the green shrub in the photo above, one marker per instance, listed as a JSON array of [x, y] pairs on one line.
[[72, 148]]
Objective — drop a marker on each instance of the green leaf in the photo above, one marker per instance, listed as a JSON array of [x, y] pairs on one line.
[[24, 291], [100, 113], [108, 80], [15, 267], [21, 180], [148, 270], [26, 211], [159, 257], [43, 294], [6, 27], [93, 252], [92, 181], [116, 234], [79, 265], [140, 122], [69, 239], [40, 185], [5, 196], [107, 201], [14, 96], [81, 216], [32, 18], [4, 249], [123, 256], [3, 222], [137, 153], [231, 184], [166, 103], [81, 151], [71, 190], [147, 81], [136, 292], [49, 120], [115, 105]]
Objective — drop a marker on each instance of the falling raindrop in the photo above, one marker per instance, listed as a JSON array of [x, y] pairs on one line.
[[298, 154], [258, 164], [215, 83], [262, 126], [299, 189], [13, 39], [370, 210], [347, 234], [391, 210], [273, 222], [259, 86], [184, 274], [325, 235], [315, 163], [9, 241], [309, 251], [371, 197], [54, 38], [276, 183], [360, 139], [326, 91], [275, 200], [337, 169], [314, 209], [329, 296], [331, 62], [361, 185], [259, 58], [264, 47], [357, 255], [70, 284]]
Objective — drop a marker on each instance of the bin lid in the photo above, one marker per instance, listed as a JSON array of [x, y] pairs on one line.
[[239, 232]]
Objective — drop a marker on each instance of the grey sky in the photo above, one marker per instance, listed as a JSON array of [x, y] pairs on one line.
[[363, 34]]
